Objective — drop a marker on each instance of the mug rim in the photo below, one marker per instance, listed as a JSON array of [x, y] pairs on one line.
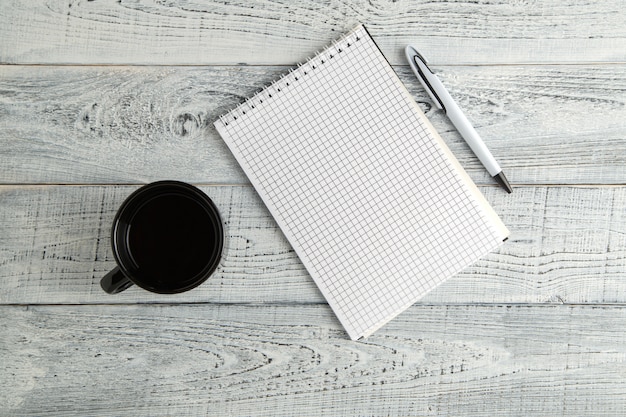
[[199, 197]]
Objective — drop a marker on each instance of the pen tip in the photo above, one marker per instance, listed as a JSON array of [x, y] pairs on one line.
[[504, 183]]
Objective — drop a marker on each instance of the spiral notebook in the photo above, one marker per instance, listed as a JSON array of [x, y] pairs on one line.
[[369, 196]]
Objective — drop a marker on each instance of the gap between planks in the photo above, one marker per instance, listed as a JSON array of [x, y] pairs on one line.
[[290, 65], [312, 303], [211, 184]]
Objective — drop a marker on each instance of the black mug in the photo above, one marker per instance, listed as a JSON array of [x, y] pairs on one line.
[[167, 237]]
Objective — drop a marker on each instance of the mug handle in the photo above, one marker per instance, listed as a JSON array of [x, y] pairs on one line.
[[115, 281]]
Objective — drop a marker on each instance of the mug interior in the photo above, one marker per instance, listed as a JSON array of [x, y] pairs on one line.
[[168, 237]]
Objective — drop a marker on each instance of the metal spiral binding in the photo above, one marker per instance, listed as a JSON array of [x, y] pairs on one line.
[[293, 76]]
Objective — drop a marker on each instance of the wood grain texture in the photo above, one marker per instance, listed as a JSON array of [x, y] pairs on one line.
[[259, 32], [568, 245], [536, 329], [283, 360], [81, 125]]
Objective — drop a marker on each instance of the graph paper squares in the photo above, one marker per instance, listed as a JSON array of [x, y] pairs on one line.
[[361, 187]]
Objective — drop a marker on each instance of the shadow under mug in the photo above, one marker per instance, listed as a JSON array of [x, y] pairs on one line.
[[167, 237]]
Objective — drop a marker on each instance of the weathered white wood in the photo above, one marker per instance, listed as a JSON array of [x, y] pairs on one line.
[[546, 125], [568, 245], [260, 32], [262, 341], [295, 360]]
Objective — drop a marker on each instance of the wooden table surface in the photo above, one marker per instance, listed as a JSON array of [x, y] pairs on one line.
[[99, 97]]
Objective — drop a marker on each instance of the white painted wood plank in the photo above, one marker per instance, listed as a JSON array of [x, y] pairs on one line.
[[258, 32], [546, 125], [283, 360], [568, 245]]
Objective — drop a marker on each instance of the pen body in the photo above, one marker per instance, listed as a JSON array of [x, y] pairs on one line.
[[470, 135], [442, 100]]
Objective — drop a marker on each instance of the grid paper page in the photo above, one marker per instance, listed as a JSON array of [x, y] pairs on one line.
[[359, 183]]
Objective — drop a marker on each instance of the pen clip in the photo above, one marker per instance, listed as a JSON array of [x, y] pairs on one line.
[[419, 65]]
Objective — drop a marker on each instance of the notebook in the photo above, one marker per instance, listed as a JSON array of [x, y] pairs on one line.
[[371, 199]]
